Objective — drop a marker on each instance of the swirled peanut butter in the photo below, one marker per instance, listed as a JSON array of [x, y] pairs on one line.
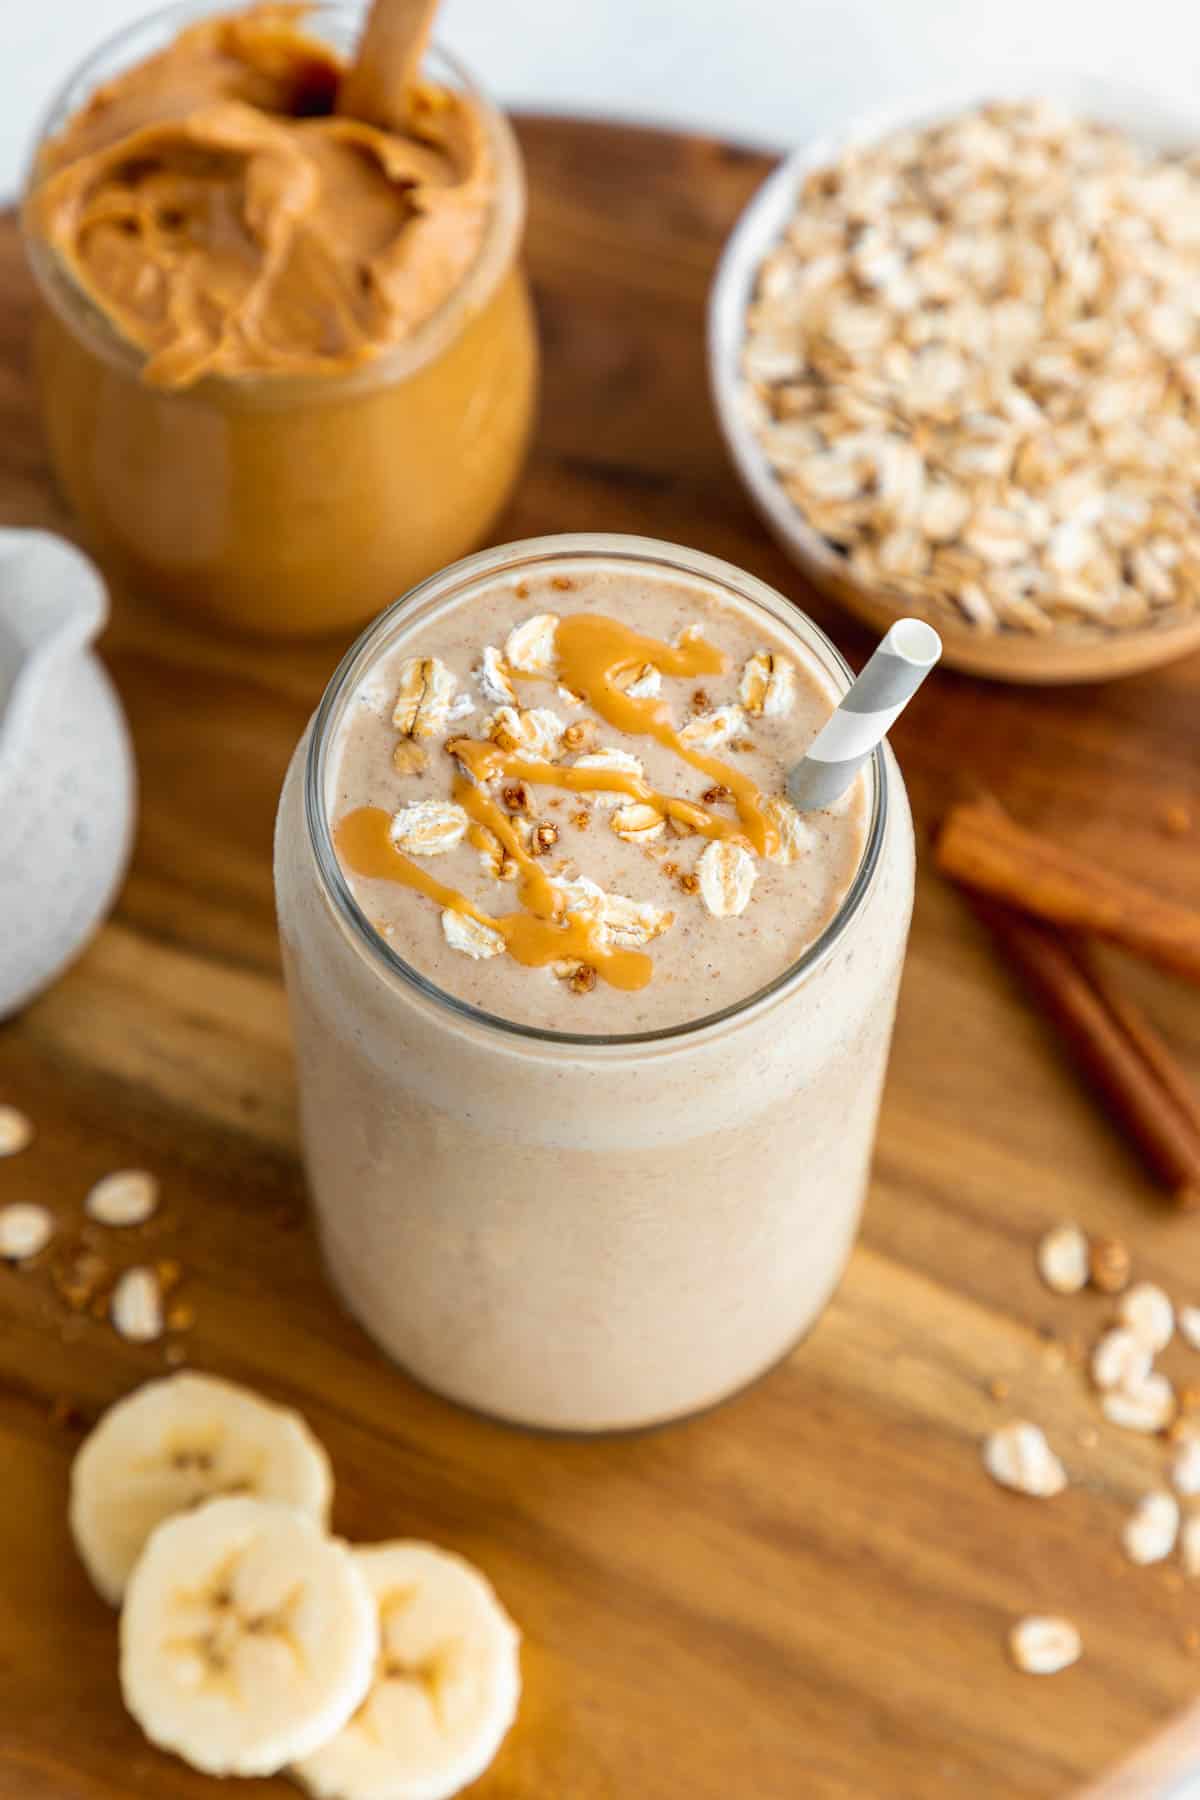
[[225, 219], [564, 801]]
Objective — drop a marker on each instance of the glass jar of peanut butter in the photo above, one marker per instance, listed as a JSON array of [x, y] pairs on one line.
[[286, 358]]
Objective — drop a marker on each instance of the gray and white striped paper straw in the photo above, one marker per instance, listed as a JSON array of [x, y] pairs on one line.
[[866, 715]]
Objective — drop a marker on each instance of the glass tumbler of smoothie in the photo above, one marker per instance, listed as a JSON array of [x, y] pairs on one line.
[[591, 1024], [286, 357]]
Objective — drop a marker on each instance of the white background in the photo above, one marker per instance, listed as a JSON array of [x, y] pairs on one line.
[[763, 71]]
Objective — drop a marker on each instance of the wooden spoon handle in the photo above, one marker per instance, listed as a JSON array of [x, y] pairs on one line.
[[376, 86]]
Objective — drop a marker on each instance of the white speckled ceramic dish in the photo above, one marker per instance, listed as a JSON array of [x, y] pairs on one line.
[[66, 765], [1070, 653]]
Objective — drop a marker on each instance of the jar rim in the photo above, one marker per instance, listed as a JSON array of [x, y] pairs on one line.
[[517, 557], [499, 247]]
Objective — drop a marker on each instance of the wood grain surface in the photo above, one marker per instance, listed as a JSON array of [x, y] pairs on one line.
[[805, 1595]]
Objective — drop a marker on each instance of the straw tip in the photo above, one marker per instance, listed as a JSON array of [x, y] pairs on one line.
[[915, 641]]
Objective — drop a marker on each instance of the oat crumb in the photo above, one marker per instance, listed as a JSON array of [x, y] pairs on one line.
[[1109, 1265], [1062, 1259], [1175, 819], [1044, 1646]]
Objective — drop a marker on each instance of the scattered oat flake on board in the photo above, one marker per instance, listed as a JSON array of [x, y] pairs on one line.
[[1043, 1645], [1150, 1531], [1062, 1259], [1188, 1320], [1185, 1470], [1018, 1457], [1147, 1405], [1120, 1360], [126, 1197], [136, 1306], [24, 1230], [1146, 1311], [16, 1131]]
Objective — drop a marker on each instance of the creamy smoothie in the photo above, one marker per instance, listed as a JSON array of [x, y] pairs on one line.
[[591, 1023]]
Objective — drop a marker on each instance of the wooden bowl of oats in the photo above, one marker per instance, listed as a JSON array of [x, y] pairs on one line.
[[955, 354]]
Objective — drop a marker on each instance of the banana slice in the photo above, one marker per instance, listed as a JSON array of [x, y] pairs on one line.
[[445, 1689], [173, 1444], [247, 1637]]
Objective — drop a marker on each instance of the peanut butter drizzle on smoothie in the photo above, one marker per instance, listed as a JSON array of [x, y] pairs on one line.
[[364, 846], [593, 652], [225, 218]]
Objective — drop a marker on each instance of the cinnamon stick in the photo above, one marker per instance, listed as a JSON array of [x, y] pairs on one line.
[[1145, 1040], [1115, 1045], [982, 847]]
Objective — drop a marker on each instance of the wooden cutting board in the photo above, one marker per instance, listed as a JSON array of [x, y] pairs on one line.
[[805, 1594]]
